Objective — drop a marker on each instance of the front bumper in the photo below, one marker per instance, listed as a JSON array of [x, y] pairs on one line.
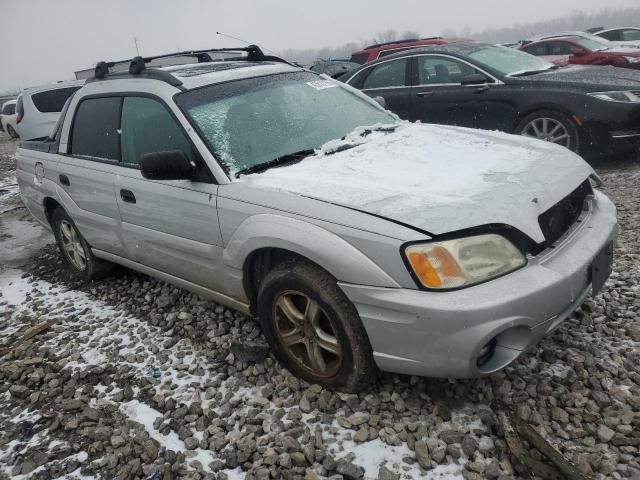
[[441, 334], [611, 127]]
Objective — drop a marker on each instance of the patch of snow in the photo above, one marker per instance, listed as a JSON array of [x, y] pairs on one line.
[[145, 415]]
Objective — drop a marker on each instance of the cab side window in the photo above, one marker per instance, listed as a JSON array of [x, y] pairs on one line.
[[95, 129], [148, 127], [388, 74]]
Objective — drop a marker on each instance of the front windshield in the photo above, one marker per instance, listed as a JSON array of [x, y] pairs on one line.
[[592, 44], [508, 61], [253, 121]]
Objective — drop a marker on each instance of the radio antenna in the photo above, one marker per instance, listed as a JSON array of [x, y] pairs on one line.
[[244, 41]]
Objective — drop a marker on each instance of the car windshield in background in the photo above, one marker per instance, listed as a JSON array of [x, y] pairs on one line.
[[509, 61], [254, 121], [592, 44]]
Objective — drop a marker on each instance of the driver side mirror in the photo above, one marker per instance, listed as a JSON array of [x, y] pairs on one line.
[[475, 79], [169, 165]]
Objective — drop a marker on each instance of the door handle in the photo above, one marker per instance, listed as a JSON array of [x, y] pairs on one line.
[[127, 196], [64, 180], [482, 89], [423, 94]]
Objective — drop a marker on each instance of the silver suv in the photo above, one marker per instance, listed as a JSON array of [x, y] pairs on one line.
[[361, 242]]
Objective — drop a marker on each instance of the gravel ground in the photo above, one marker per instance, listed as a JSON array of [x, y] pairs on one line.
[[138, 379]]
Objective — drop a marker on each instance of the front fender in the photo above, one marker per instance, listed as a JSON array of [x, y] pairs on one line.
[[341, 259]]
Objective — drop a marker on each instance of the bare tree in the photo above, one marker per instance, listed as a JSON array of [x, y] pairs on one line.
[[388, 35], [409, 34]]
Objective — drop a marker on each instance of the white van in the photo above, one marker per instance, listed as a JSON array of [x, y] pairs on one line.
[[38, 108]]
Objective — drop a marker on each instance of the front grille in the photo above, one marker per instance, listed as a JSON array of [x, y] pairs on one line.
[[556, 221]]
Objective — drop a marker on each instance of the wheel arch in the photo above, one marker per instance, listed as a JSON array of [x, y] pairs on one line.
[[50, 204], [263, 241]]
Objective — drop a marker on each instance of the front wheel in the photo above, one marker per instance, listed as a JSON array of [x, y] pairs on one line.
[[551, 126], [313, 328]]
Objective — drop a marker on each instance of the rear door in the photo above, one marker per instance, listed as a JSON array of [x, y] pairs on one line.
[[387, 80], [171, 226], [85, 175]]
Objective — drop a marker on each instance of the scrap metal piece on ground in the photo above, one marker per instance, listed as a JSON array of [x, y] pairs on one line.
[[29, 334], [515, 429]]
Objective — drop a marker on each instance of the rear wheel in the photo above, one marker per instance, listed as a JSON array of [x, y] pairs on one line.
[[74, 248], [551, 126], [313, 328], [12, 132]]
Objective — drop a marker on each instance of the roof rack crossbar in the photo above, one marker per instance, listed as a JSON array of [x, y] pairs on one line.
[[394, 42], [137, 66]]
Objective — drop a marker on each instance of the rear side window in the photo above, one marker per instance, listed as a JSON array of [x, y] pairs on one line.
[[95, 129], [52, 100], [20, 106], [9, 109], [360, 58], [389, 74], [148, 127]]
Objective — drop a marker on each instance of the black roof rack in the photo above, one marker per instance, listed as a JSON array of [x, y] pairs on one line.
[[137, 65], [395, 42]]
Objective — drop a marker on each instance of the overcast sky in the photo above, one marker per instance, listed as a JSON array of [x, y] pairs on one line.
[[45, 40]]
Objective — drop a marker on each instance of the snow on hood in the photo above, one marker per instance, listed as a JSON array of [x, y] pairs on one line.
[[436, 178]]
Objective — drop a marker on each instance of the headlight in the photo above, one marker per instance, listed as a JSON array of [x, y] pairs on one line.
[[632, 59], [621, 96], [463, 262]]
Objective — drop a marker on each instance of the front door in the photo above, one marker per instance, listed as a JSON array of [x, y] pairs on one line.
[[171, 226], [441, 97]]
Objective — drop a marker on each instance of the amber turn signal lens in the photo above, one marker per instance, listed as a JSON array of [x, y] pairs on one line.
[[435, 267]]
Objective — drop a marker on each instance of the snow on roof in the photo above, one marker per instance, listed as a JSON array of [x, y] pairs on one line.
[[195, 75]]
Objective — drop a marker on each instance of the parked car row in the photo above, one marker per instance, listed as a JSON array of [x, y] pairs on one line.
[[592, 110], [362, 242]]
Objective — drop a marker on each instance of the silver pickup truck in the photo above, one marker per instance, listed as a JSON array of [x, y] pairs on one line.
[[361, 242]]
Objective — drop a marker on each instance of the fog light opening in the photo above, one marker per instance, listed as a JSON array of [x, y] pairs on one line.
[[486, 352]]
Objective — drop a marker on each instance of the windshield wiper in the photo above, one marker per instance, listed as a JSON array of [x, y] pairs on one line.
[[380, 128], [276, 162], [533, 72]]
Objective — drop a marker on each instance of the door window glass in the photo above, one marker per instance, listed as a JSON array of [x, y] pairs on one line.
[[9, 109], [148, 127], [95, 128], [613, 35], [630, 35], [561, 48], [389, 74], [539, 49], [442, 70]]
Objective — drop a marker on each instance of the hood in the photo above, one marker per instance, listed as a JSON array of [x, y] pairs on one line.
[[437, 179], [592, 77]]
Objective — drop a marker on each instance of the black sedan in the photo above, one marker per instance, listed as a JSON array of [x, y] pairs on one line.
[[591, 110]]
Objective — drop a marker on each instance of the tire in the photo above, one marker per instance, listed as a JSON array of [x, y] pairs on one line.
[[83, 264], [12, 132], [331, 333], [532, 126]]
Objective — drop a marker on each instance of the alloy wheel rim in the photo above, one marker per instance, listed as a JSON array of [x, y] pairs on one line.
[[307, 334], [549, 130], [72, 245]]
